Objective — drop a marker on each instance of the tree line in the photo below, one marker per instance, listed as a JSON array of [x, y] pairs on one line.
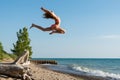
[[22, 43]]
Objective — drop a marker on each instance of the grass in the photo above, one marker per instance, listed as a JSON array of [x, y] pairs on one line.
[[7, 57]]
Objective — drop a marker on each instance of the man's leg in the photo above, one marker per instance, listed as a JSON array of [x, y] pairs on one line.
[[41, 28]]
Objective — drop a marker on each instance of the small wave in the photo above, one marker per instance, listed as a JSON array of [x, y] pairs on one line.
[[95, 72]]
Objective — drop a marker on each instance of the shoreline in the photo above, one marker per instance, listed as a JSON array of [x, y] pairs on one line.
[[48, 74], [39, 72], [79, 77]]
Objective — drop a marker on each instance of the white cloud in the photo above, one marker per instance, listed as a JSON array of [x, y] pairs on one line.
[[110, 37]]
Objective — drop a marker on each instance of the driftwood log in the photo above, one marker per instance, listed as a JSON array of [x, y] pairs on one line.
[[18, 69]]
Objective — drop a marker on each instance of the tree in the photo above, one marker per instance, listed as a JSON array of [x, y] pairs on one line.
[[22, 43], [1, 51]]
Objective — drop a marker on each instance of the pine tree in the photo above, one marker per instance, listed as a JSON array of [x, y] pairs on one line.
[[22, 43]]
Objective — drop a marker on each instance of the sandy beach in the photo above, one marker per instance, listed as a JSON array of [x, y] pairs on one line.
[[40, 73]]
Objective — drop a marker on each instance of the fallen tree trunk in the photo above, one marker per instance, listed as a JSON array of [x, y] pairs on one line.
[[11, 70], [18, 69]]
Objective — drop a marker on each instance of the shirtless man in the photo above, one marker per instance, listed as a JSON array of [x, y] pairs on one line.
[[54, 28]]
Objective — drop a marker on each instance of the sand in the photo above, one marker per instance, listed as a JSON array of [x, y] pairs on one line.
[[40, 73]]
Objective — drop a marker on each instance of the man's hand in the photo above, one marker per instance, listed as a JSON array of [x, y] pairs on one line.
[[42, 8]]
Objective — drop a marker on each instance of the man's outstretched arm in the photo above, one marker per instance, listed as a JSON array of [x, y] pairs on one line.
[[45, 10]]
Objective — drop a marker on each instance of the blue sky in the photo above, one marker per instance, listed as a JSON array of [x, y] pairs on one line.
[[92, 27]]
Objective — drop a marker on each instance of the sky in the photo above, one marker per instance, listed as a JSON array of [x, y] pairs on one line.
[[92, 27]]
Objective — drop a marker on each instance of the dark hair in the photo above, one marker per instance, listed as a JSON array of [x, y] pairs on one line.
[[48, 15]]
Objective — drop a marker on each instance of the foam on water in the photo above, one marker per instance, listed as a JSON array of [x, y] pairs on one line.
[[95, 72]]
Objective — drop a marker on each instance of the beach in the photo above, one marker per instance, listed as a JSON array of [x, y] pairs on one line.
[[40, 73], [70, 69]]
